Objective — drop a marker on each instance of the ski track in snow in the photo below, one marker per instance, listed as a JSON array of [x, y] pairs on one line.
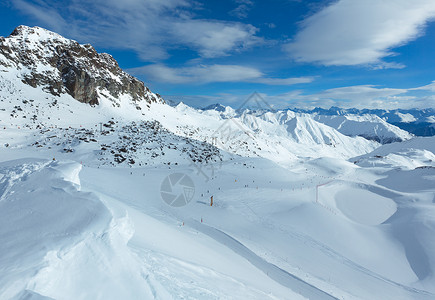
[[277, 274]]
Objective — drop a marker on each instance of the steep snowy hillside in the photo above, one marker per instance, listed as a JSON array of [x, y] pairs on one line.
[[412, 154], [368, 126]]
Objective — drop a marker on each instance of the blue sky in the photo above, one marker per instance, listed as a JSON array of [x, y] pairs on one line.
[[349, 53]]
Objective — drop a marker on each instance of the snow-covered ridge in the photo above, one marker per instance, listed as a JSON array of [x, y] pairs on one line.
[[59, 65], [413, 154], [369, 126], [391, 116], [281, 137]]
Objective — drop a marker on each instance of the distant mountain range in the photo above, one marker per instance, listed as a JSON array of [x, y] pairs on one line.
[[419, 122]]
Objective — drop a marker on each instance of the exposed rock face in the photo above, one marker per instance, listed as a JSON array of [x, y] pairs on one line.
[[64, 66]]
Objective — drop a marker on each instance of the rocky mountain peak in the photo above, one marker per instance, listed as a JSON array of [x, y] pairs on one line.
[[61, 65], [26, 32]]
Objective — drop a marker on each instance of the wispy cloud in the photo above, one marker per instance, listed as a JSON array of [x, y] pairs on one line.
[[202, 74], [359, 93], [242, 9], [355, 32], [150, 28], [42, 11], [360, 96], [199, 74], [428, 87], [214, 39]]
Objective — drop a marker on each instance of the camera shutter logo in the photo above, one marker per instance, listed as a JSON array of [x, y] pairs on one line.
[[177, 189]]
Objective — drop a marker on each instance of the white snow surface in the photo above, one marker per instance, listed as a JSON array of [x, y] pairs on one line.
[[312, 225], [75, 231]]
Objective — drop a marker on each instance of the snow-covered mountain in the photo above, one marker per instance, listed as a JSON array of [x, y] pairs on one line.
[[391, 116], [45, 59], [370, 127], [265, 135], [49, 81], [91, 162], [409, 155], [63, 95], [216, 107]]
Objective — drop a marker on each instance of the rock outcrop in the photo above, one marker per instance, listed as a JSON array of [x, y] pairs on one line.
[[60, 65]]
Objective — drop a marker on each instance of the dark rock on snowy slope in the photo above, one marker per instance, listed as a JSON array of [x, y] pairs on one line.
[[60, 65]]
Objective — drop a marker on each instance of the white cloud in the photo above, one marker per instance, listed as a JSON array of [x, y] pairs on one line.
[[43, 11], [359, 93], [429, 87], [199, 74], [361, 96], [242, 9], [355, 32], [150, 28], [214, 39], [202, 74]]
